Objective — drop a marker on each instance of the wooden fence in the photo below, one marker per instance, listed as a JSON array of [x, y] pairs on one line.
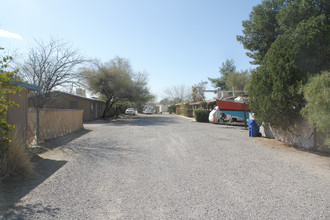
[[53, 123]]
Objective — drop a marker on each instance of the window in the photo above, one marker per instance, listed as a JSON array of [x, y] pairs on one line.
[[92, 107], [73, 104]]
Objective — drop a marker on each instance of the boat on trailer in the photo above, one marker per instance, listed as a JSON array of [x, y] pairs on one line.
[[235, 109]]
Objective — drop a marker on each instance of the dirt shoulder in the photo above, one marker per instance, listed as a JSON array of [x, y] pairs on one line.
[[318, 162], [47, 158]]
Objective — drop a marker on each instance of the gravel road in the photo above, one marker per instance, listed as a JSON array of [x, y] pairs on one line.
[[169, 167]]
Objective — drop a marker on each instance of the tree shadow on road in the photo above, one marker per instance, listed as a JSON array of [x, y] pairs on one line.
[[96, 151], [25, 211], [144, 120], [12, 190], [60, 141]]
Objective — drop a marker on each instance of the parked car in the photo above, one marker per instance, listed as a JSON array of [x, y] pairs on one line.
[[147, 111], [130, 111]]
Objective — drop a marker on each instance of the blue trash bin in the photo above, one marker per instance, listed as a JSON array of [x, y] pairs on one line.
[[253, 128]]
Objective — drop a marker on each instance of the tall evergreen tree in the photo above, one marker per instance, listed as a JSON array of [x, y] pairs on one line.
[[300, 49], [261, 30], [225, 70]]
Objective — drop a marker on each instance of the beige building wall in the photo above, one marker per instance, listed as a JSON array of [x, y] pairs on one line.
[[18, 116], [93, 109], [72, 102], [53, 123]]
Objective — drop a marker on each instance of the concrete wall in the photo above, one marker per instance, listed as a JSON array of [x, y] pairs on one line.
[[300, 134], [320, 138], [265, 129]]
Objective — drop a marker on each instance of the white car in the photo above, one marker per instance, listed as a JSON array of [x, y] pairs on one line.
[[130, 111]]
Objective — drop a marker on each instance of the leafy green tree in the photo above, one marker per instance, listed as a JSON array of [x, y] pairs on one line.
[[115, 80], [317, 95], [197, 92], [6, 88], [226, 69], [230, 78], [238, 80]]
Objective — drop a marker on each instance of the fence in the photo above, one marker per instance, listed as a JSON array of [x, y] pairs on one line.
[[53, 123]]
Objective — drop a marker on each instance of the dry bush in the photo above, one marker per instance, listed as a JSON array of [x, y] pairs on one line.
[[16, 162]]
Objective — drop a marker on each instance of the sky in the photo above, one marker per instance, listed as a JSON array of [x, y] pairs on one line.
[[177, 42]]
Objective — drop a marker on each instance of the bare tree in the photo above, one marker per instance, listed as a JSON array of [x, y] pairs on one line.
[[165, 101], [49, 66], [177, 94]]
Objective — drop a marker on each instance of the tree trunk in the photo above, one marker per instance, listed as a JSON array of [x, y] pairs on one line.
[[105, 108]]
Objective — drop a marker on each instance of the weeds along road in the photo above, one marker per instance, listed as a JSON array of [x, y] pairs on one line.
[[168, 167]]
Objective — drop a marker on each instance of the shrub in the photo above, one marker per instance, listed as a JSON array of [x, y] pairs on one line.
[[317, 95], [274, 87], [119, 108], [10, 155], [6, 88], [15, 162], [188, 113], [171, 109], [185, 109], [115, 111], [201, 115]]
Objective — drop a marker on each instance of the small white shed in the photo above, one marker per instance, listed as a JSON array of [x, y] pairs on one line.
[[163, 108]]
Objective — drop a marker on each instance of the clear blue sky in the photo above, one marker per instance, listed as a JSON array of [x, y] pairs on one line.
[[175, 41]]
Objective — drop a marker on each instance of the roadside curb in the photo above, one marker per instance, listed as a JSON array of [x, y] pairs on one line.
[[182, 116]]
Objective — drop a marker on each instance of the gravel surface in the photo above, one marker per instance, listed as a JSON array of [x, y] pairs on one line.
[[168, 167]]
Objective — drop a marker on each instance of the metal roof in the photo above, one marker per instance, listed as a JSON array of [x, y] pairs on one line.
[[82, 97], [27, 85]]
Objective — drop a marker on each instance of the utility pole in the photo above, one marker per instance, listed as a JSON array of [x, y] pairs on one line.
[[245, 122]]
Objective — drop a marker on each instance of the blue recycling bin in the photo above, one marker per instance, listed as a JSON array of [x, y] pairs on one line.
[[253, 128]]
